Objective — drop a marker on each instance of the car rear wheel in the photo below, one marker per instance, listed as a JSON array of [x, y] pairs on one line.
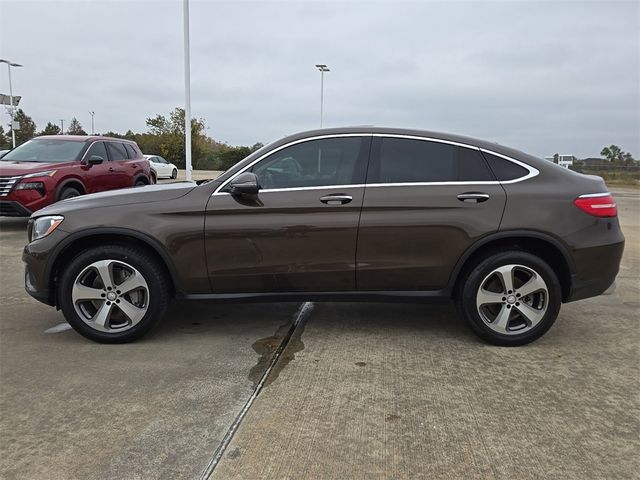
[[174, 173], [113, 294], [140, 183], [510, 298], [69, 192]]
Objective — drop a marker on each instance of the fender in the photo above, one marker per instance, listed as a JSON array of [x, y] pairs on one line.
[[66, 182], [151, 242], [506, 234]]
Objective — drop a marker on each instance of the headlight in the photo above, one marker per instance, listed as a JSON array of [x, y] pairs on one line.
[[48, 173], [39, 186], [43, 226]]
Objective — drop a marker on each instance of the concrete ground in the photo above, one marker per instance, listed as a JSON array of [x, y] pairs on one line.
[[362, 390]]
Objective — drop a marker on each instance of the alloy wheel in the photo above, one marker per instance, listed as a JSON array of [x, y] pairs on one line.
[[110, 296], [512, 299]]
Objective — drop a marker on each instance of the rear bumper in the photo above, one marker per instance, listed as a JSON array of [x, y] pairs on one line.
[[596, 270], [9, 208]]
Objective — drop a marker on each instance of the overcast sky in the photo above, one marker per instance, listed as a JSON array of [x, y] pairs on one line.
[[544, 76]]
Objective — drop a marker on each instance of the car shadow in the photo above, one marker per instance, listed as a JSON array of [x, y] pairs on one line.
[[208, 318]]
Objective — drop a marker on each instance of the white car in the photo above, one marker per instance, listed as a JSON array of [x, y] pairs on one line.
[[162, 168]]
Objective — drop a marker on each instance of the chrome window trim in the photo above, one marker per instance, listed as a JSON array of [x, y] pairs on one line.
[[294, 189], [532, 170]]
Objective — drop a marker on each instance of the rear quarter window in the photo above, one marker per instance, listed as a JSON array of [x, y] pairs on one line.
[[504, 169], [131, 150]]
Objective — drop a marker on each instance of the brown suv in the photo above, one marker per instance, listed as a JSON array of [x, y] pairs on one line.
[[338, 214]]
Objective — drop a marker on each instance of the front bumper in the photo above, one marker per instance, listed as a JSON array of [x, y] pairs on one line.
[[39, 257]]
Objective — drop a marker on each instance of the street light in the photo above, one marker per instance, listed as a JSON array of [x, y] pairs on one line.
[[187, 91], [92, 114], [323, 68], [13, 108]]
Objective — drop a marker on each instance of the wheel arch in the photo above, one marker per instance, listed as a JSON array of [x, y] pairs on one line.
[[70, 182], [143, 177], [550, 249], [80, 241]]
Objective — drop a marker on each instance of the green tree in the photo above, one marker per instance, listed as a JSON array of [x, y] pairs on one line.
[[4, 141], [50, 129], [169, 138], [615, 154], [27, 128], [75, 128], [628, 159]]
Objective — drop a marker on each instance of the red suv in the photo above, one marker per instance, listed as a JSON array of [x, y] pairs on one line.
[[51, 168]]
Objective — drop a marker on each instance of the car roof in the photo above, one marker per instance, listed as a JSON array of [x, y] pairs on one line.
[[83, 138]]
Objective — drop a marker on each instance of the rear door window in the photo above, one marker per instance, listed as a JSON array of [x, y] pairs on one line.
[[403, 160], [117, 151]]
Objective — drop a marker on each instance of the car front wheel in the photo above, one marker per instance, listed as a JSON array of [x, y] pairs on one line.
[[511, 298], [113, 294], [174, 174]]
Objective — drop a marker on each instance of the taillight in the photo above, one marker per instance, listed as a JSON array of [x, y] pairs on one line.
[[597, 204]]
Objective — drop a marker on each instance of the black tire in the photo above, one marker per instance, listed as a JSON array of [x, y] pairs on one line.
[[174, 174], [159, 290], [140, 183], [69, 192], [466, 297]]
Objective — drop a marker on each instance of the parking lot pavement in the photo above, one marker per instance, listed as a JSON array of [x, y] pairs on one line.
[[71, 408], [404, 391]]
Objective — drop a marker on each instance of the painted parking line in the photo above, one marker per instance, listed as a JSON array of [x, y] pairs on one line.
[[61, 327]]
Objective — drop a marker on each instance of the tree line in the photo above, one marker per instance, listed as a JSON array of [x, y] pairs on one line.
[[164, 137]]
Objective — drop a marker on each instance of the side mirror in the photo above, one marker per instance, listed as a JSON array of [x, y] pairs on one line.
[[244, 184], [95, 160]]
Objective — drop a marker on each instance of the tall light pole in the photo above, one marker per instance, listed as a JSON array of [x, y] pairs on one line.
[[61, 126], [323, 68], [187, 91], [92, 114], [13, 108]]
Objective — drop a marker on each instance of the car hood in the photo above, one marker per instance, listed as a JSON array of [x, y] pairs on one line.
[[125, 196], [12, 169]]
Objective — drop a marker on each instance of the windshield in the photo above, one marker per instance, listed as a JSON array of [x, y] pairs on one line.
[[45, 150]]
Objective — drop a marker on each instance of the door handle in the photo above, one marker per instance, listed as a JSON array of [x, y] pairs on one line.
[[111, 169], [473, 197], [336, 199]]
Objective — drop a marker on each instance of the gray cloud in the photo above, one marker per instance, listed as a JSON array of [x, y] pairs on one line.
[[542, 76]]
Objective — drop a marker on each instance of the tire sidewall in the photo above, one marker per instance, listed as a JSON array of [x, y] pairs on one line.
[[174, 174], [146, 265], [479, 273], [64, 193]]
